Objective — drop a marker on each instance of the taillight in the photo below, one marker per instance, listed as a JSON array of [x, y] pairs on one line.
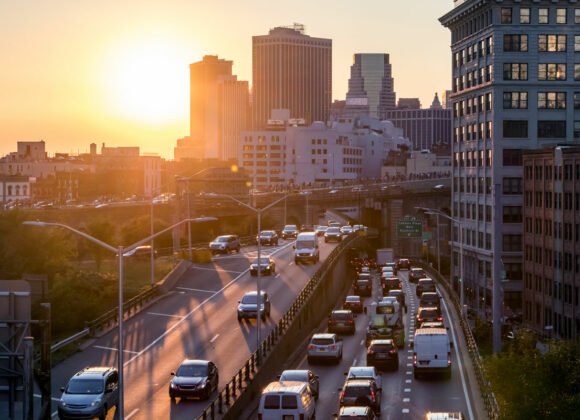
[[373, 395], [370, 351], [342, 396], [448, 358], [333, 347], [420, 319], [311, 347], [392, 351], [439, 318], [414, 359], [350, 321]]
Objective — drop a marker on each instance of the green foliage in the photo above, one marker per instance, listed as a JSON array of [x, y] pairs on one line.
[[105, 231], [531, 385], [140, 227], [483, 334]]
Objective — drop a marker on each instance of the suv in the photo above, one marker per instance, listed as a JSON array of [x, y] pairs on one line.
[[289, 231], [332, 234], [364, 372], [363, 287], [361, 393], [194, 378], [425, 285], [382, 354], [428, 314], [267, 237], [400, 295], [415, 274], [403, 264], [325, 346], [90, 393], [389, 283], [430, 299], [224, 244], [341, 320], [248, 306]]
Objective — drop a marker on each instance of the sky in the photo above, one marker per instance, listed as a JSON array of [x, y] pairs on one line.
[[75, 72]]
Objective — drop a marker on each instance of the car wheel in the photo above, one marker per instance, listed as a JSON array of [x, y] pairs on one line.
[[295, 261], [309, 360], [207, 393], [172, 396], [239, 318], [238, 250], [103, 414]]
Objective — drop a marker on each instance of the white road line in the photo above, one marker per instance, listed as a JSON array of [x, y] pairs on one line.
[[464, 385], [407, 390], [362, 342], [114, 349], [169, 315], [409, 364], [54, 414], [408, 381], [132, 413], [214, 338], [40, 396], [408, 373], [196, 290], [190, 313], [406, 400], [215, 269], [354, 362], [405, 411]]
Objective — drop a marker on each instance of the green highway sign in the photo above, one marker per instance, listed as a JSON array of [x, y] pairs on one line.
[[410, 228]]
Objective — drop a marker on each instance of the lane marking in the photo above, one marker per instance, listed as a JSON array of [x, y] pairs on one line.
[[405, 411], [219, 270], [54, 414], [132, 413], [196, 290], [354, 362], [214, 338], [407, 390], [406, 400], [408, 381], [168, 315], [114, 349]]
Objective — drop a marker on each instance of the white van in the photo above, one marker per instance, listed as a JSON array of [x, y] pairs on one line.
[[306, 248], [286, 400], [431, 352]]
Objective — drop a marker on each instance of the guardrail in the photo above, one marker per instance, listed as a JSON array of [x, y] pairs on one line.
[[485, 388], [234, 389]]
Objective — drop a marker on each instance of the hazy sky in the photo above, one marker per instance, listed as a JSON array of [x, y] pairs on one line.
[[73, 72]]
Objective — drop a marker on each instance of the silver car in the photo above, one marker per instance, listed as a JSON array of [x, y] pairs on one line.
[[302, 375], [325, 347]]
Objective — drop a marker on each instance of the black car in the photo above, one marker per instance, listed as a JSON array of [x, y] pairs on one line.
[[403, 264], [430, 299], [332, 234], [390, 283], [248, 306], [265, 266], [363, 287], [361, 393], [194, 378], [428, 314], [416, 273], [354, 303], [267, 237], [400, 295], [340, 321], [383, 354], [425, 285], [290, 232]]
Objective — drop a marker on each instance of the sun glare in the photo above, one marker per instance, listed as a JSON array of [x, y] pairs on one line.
[[148, 81]]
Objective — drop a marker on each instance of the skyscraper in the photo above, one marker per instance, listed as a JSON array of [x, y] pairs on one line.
[[291, 70], [515, 88], [219, 109], [370, 87]]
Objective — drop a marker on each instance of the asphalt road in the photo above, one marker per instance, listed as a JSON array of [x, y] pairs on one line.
[[197, 320]]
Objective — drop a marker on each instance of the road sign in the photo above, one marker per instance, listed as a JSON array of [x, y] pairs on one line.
[[409, 227]]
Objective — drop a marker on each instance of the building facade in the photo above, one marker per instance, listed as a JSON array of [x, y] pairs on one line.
[[219, 110], [291, 70], [515, 73], [370, 87], [551, 219]]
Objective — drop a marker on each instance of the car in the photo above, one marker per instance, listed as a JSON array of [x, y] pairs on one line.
[[425, 284], [286, 400], [428, 314], [447, 415], [194, 378], [354, 303], [346, 230], [306, 248], [341, 320], [90, 393], [142, 251], [320, 230], [332, 234], [403, 264], [388, 283], [332, 191], [430, 299], [248, 306], [224, 244], [323, 347], [302, 375], [363, 287], [361, 392], [356, 413], [307, 228], [267, 237], [290, 232], [383, 354], [392, 266], [266, 266], [400, 295], [432, 324], [364, 269], [364, 372], [416, 273]]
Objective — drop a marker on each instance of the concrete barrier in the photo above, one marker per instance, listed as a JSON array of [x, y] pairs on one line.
[[168, 282]]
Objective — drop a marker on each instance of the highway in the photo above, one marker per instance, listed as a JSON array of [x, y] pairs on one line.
[[403, 397], [197, 320]]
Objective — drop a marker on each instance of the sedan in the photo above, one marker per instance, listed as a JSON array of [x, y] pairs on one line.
[[267, 237], [194, 378], [302, 375], [354, 303], [361, 393], [266, 266], [428, 314], [332, 234], [346, 230]]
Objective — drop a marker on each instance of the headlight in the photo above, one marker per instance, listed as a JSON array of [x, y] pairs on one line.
[[62, 403], [172, 385], [95, 403]]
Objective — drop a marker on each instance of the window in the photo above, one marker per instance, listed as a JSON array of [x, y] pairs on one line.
[[577, 43], [515, 100], [576, 71], [551, 129], [551, 43], [576, 100], [512, 186], [512, 157], [506, 15], [524, 15], [551, 71], [561, 16], [515, 43], [512, 214], [576, 15], [543, 15], [515, 71], [512, 243], [515, 128], [577, 129], [551, 100]]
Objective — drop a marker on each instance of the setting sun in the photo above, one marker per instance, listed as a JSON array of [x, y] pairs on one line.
[[147, 81]]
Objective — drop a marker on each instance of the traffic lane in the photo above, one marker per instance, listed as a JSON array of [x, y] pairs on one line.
[[230, 345]]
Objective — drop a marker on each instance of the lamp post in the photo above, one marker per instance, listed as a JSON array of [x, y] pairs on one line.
[[120, 251], [460, 224], [258, 211]]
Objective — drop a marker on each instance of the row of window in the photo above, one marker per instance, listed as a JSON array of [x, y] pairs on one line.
[[561, 324], [566, 172], [546, 129], [472, 237], [473, 78], [556, 200], [475, 131], [557, 230], [546, 43], [480, 103], [473, 185], [511, 157], [15, 190], [546, 71], [249, 147], [544, 16], [546, 100], [318, 141], [564, 261], [262, 139], [472, 159], [479, 49], [570, 294]]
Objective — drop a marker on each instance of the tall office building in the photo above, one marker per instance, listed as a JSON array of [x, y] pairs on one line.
[[219, 109], [370, 87], [291, 70], [515, 72]]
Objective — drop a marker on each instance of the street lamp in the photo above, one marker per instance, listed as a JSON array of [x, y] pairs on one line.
[[258, 211], [460, 224], [120, 250]]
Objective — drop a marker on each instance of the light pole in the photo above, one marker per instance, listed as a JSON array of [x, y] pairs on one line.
[[120, 251], [258, 211], [460, 224]]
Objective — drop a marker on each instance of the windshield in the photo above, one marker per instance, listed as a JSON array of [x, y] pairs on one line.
[[333, 230], [267, 233], [385, 309], [221, 239], [192, 371], [263, 261], [251, 299], [294, 376], [290, 227], [305, 244], [85, 386]]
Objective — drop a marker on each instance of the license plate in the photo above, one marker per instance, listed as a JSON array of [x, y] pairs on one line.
[[322, 349], [423, 362], [381, 356], [340, 324]]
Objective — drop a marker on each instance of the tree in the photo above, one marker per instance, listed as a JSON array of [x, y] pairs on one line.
[[103, 230]]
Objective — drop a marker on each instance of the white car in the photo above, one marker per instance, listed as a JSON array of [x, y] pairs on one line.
[[346, 230], [302, 375], [364, 372], [325, 346]]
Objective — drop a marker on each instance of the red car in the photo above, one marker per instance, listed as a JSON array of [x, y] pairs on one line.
[[354, 303]]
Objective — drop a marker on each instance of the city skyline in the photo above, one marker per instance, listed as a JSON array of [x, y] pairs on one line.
[[80, 73]]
